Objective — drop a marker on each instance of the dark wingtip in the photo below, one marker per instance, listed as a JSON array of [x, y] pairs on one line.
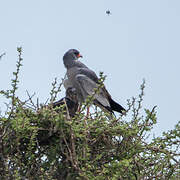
[[116, 107]]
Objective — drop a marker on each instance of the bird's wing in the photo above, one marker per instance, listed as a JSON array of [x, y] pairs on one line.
[[89, 73], [59, 103], [92, 75], [88, 86], [71, 105]]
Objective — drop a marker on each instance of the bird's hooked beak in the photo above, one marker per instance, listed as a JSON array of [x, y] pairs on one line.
[[79, 56]]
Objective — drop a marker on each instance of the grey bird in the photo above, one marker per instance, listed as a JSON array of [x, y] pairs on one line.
[[85, 81], [71, 101]]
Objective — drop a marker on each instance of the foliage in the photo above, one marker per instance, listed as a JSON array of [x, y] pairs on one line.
[[42, 143]]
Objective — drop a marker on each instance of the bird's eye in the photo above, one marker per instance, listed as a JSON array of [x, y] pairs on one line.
[[76, 53]]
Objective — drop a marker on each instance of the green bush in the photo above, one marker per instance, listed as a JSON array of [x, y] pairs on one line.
[[39, 142]]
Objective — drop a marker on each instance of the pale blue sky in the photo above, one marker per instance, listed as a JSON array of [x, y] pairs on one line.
[[141, 39]]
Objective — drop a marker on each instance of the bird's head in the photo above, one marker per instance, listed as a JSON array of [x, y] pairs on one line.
[[70, 56], [73, 54]]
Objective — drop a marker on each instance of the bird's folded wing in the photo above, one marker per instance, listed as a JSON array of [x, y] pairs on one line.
[[92, 75], [89, 73], [88, 87]]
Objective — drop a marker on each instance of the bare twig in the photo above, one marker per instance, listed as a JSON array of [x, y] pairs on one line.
[[3, 54], [67, 110], [30, 99]]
